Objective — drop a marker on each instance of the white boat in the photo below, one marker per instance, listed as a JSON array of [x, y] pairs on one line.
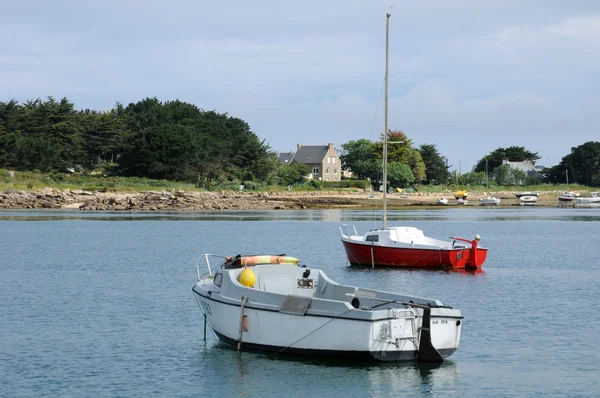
[[592, 200], [442, 201], [528, 200], [489, 200], [270, 303], [519, 195], [405, 246], [567, 196]]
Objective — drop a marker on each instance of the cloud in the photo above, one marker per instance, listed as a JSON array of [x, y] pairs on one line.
[[468, 76]]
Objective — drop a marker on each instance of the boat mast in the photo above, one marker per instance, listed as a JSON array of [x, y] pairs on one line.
[[385, 123]]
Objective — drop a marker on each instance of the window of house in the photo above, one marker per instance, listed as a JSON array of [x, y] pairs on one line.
[[328, 159], [334, 171], [333, 160], [327, 170], [316, 170]]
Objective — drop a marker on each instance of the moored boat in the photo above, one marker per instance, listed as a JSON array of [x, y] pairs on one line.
[[442, 201], [407, 246], [462, 194], [519, 195], [567, 196], [528, 200], [280, 307], [594, 199], [489, 200]]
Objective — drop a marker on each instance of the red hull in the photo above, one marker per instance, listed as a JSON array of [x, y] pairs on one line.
[[365, 254]]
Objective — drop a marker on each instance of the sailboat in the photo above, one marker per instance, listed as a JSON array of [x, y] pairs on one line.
[[489, 200], [567, 196], [406, 246]]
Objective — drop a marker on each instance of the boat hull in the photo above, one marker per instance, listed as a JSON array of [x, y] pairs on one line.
[[385, 356], [367, 254], [324, 336]]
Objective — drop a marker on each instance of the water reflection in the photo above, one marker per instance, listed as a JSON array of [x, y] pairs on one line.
[[249, 373], [408, 270], [333, 215]]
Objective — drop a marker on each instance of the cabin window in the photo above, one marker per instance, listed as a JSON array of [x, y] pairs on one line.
[[316, 170], [218, 279], [372, 238]]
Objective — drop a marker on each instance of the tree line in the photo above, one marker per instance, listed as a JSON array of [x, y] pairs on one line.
[[176, 140], [425, 165], [170, 140]]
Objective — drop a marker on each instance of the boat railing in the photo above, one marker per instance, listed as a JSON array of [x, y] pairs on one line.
[[344, 229], [207, 257]]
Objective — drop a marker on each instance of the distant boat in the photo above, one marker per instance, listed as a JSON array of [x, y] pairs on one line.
[[442, 201], [521, 194], [528, 200], [594, 199], [462, 194], [567, 196], [489, 200]]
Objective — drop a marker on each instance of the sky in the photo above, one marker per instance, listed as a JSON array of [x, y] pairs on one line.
[[469, 76]]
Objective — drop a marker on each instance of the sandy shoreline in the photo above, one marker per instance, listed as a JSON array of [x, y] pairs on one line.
[[51, 198]]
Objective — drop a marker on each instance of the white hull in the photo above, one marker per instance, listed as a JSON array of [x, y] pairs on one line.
[[382, 328], [526, 194], [595, 199], [528, 200], [274, 331], [489, 201]]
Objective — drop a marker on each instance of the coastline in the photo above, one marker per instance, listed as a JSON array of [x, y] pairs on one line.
[[179, 200]]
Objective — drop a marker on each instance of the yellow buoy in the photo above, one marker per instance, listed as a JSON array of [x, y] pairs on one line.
[[247, 277]]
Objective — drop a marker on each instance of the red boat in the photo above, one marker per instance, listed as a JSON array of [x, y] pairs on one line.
[[408, 247]]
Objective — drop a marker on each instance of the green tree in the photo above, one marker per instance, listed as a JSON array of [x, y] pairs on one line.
[[400, 150], [292, 173], [355, 156], [472, 178], [503, 175], [400, 175], [512, 154], [435, 165], [583, 165]]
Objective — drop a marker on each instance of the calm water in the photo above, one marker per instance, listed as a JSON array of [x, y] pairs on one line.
[[101, 305]]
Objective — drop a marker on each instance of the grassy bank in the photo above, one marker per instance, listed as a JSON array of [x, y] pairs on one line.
[[31, 181]]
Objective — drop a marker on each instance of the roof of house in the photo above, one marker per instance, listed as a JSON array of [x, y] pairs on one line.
[[286, 158], [307, 154], [311, 154]]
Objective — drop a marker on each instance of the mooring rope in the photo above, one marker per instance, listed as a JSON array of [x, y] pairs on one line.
[[204, 313]]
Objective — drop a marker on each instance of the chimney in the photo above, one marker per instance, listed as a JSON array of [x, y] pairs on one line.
[[330, 145], [299, 146]]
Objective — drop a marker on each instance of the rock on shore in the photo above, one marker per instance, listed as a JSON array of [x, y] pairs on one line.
[[50, 198]]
